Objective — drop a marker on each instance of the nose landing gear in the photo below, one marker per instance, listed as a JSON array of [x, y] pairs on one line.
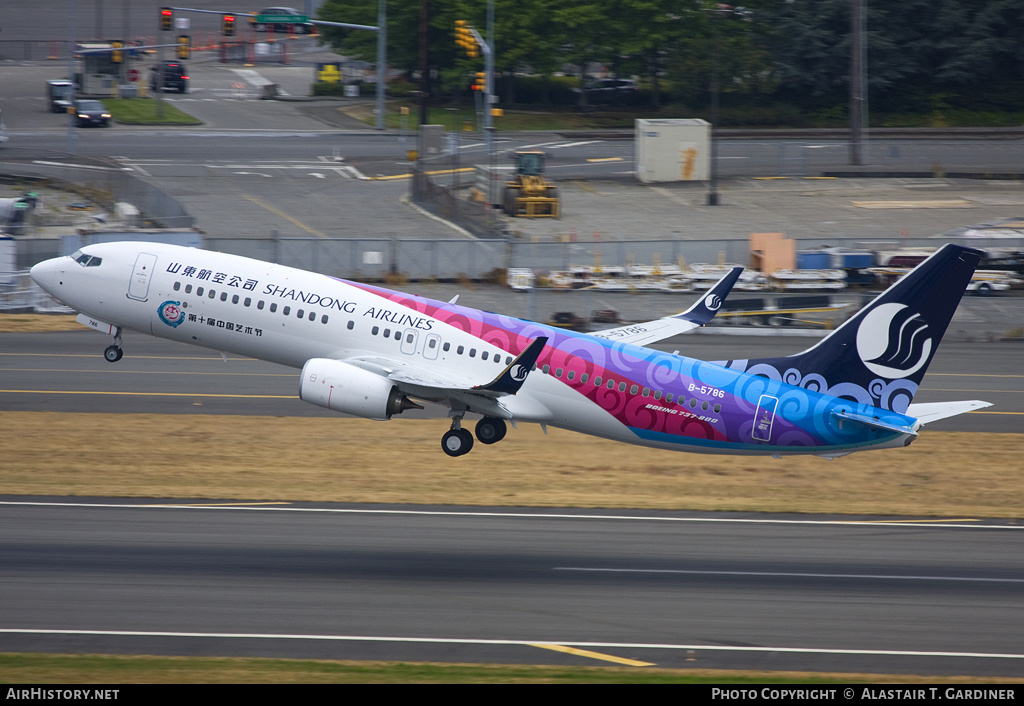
[[113, 352]]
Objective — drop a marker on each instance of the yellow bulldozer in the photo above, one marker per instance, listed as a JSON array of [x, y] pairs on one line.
[[529, 194]]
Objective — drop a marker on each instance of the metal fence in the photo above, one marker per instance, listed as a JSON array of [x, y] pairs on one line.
[[105, 182], [454, 260], [479, 219]]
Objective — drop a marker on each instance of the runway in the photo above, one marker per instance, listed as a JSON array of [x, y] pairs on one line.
[[502, 585], [65, 372], [512, 585]]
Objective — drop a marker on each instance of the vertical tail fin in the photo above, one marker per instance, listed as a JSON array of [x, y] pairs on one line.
[[880, 355]]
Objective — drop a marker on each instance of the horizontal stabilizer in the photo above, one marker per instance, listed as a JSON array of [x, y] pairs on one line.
[[874, 422], [928, 412]]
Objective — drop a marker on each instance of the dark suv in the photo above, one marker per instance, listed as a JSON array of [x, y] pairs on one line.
[[174, 76]]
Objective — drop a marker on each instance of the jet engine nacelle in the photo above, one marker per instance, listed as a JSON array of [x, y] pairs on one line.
[[345, 388]]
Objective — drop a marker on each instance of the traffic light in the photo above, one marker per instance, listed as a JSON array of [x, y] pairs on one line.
[[166, 19], [184, 46], [117, 56], [464, 38], [480, 82], [229, 26]]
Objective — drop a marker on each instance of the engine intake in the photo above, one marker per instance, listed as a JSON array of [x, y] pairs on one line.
[[342, 387]]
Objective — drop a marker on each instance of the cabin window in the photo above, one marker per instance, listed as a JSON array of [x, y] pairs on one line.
[[472, 352], [323, 319], [375, 330], [669, 397], [351, 325], [286, 311], [646, 392], [273, 307], [259, 305], [300, 314], [446, 347], [718, 408], [584, 377], [558, 373], [223, 296], [387, 333], [212, 294], [545, 369], [459, 350], [188, 289], [247, 302], [432, 343], [177, 286], [657, 394], [508, 360], [597, 381], [611, 384], [483, 356], [398, 335], [571, 375], [704, 406], [199, 292], [633, 389], [234, 299]]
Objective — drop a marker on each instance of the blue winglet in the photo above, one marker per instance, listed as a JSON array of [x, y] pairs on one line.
[[514, 374], [707, 306]]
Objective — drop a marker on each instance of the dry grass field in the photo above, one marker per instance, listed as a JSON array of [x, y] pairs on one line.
[[352, 460]]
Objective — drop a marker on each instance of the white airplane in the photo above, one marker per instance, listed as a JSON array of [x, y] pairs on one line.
[[374, 353]]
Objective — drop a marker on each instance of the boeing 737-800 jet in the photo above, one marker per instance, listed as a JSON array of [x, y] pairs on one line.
[[374, 353]]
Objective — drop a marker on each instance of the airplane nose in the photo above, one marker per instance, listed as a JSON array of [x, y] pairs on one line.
[[43, 274]]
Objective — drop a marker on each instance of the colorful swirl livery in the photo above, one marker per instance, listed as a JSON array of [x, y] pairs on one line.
[[375, 353]]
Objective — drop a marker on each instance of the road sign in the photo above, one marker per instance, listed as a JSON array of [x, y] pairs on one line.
[[281, 19], [133, 74]]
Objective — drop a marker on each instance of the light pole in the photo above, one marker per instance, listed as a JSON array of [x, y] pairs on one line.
[[716, 12]]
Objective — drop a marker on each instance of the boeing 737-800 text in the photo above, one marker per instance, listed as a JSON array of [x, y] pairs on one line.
[[374, 353]]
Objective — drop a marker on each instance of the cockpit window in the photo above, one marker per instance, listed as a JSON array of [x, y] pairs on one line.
[[86, 260]]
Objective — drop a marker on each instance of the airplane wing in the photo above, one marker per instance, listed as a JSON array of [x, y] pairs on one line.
[[696, 316], [496, 397]]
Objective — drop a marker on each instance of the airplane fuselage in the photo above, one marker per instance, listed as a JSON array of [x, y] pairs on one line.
[[581, 382]]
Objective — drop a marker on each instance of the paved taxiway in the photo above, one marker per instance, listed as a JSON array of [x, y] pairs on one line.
[[66, 372], [511, 585]]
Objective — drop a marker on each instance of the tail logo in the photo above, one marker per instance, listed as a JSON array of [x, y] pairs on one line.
[[893, 342], [519, 372], [713, 302]]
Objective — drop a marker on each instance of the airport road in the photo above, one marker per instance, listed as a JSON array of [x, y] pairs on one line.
[[66, 372], [511, 585]]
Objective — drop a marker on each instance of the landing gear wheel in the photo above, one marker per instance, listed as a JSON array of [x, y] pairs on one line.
[[490, 430], [457, 442], [113, 354]]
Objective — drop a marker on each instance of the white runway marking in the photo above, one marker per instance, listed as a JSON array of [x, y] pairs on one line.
[[524, 643], [908, 523], [785, 574]]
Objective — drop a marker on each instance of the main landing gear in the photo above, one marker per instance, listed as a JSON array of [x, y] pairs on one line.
[[113, 352], [458, 441]]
